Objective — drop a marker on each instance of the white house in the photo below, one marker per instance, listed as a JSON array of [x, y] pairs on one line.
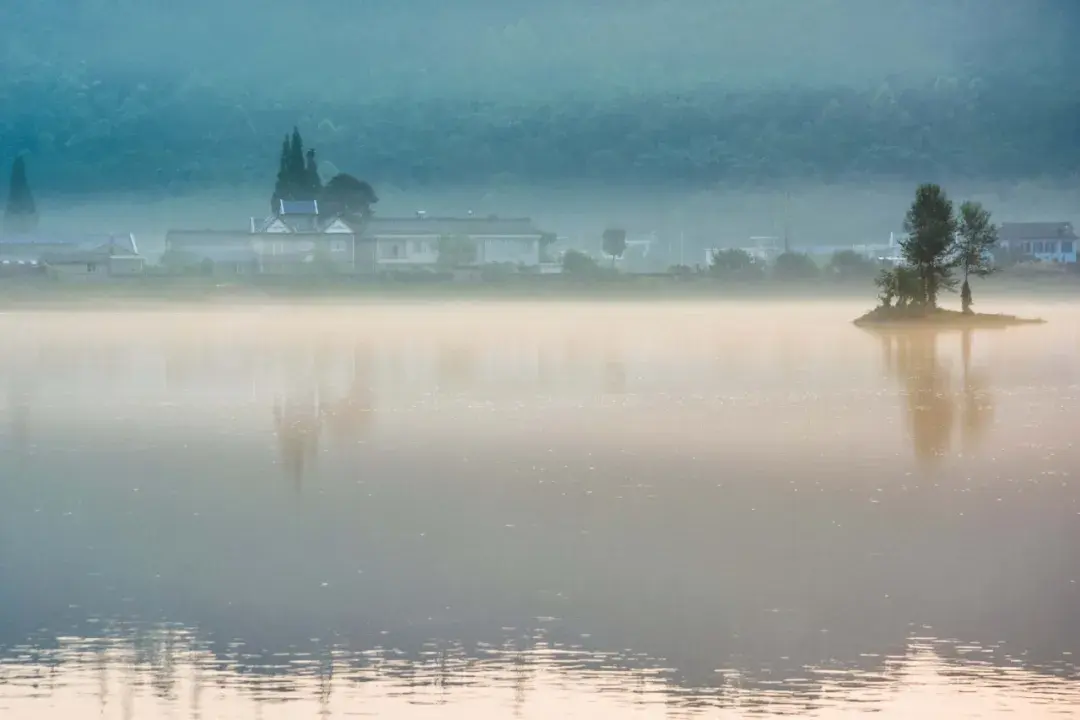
[[414, 242], [1047, 241]]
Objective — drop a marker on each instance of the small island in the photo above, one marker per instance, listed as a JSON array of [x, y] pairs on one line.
[[937, 245]]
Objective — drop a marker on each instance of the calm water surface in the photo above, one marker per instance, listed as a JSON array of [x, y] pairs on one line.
[[536, 511]]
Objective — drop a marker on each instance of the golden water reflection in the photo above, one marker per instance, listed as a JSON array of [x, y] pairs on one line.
[[170, 674], [602, 512], [937, 402]]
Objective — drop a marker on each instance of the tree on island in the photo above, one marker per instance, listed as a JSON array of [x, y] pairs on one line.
[[900, 285], [928, 247], [614, 243], [298, 174], [20, 214], [976, 239], [345, 195]]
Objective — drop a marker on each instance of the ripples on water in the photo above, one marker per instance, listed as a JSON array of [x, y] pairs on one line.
[[535, 511]]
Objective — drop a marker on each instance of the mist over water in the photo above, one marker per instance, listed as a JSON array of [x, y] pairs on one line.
[[575, 509]]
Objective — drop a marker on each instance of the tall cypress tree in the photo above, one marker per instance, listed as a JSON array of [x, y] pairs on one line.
[[298, 174], [296, 167], [281, 187], [20, 215]]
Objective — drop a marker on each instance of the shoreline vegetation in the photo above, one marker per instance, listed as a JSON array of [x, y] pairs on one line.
[[156, 289], [940, 247], [939, 318]]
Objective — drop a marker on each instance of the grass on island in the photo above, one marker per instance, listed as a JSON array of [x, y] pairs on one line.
[[915, 315]]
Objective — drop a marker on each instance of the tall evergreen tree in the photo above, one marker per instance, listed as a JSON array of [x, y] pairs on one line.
[[296, 166], [20, 214], [928, 248], [281, 187]]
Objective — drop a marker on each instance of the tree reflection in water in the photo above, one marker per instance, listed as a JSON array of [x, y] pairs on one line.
[[935, 403]]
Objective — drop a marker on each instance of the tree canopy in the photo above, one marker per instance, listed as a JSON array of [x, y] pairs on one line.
[[976, 239], [795, 266], [346, 195], [928, 247], [126, 131], [614, 243], [298, 173], [735, 264]]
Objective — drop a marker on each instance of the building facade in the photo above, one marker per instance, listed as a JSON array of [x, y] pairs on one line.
[[297, 240], [91, 256], [1046, 241]]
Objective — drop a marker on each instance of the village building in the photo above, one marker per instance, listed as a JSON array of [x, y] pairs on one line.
[[298, 239], [1046, 241], [93, 256]]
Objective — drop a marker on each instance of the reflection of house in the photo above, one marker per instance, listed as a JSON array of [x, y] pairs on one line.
[[85, 256], [1049, 241]]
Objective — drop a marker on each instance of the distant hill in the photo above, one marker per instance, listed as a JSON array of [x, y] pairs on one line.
[[116, 96]]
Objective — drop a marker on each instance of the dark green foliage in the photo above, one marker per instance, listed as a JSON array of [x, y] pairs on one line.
[[614, 243], [577, 264], [850, 265], [169, 134], [795, 266], [900, 285], [976, 239], [298, 175], [735, 264], [928, 247], [20, 214], [348, 196]]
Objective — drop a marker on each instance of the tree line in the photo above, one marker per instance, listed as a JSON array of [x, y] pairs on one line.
[[123, 133]]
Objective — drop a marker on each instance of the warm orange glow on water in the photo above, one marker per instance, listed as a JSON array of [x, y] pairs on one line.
[[662, 510]]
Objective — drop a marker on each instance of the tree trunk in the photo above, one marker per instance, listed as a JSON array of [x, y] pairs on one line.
[[965, 297]]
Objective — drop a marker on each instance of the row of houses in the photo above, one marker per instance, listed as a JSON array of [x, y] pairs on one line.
[[297, 235], [94, 255], [1054, 242]]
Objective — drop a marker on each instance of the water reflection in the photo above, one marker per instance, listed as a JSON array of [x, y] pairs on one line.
[[506, 539], [935, 402]]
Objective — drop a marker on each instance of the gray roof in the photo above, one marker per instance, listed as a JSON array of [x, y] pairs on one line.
[[474, 226], [298, 207], [120, 243], [1036, 231]]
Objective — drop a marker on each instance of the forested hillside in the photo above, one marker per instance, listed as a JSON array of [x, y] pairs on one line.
[[1008, 106]]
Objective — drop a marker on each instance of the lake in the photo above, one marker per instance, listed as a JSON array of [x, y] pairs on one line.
[[536, 510]]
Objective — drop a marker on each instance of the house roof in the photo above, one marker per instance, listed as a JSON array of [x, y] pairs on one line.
[[120, 243], [1036, 231], [475, 226], [298, 207]]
